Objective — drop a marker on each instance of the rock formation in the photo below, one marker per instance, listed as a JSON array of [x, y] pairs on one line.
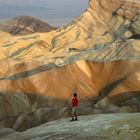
[[97, 127], [25, 25], [97, 55]]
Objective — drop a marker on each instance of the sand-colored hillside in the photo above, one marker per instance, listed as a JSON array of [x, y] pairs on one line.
[[106, 31], [101, 87]]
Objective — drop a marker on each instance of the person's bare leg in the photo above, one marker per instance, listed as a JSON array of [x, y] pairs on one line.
[[76, 116], [72, 116]]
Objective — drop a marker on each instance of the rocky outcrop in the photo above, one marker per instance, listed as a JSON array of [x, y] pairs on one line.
[[102, 33], [45, 68], [25, 25], [36, 93], [97, 127]]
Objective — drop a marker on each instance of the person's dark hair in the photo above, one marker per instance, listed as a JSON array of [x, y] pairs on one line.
[[75, 94]]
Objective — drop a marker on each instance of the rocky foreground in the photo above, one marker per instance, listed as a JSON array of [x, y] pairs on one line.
[[122, 126]]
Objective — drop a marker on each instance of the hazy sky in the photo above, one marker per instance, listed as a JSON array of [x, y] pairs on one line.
[[57, 12], [43, 2]]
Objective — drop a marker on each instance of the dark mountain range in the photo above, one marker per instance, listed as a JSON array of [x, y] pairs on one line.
[[25, 25]]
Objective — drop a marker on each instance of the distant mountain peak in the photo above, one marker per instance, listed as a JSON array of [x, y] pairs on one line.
[[25, 25]]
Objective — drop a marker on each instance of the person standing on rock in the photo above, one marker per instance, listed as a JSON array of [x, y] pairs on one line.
[[74, 107]]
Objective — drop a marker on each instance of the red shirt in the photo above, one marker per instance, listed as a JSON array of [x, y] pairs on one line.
[[75, 102]]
